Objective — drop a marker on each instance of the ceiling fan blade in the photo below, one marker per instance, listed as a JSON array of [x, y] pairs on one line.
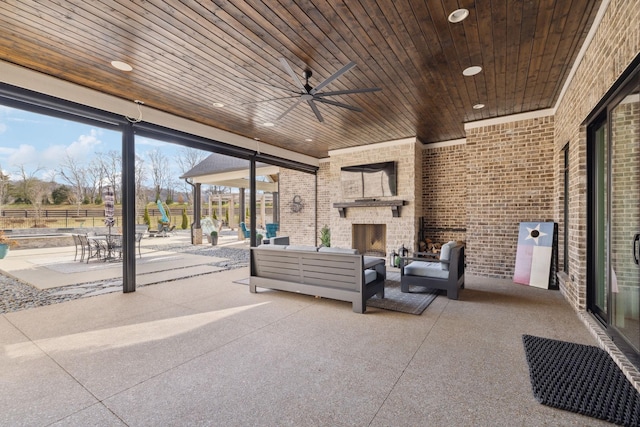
[[269, 100], [335, 75], [270, 85], [339, 104], [349, 91], [289, 109], [315, 110], [293, 75]]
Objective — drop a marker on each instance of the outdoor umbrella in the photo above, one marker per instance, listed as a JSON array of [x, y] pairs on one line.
[[165, 218], [109, 200]]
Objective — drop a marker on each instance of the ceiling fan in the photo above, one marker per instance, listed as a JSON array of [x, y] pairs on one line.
[[311, 95]]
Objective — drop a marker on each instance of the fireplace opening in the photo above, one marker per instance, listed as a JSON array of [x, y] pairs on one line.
[[370, 239]]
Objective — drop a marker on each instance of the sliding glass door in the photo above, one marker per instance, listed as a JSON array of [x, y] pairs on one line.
[[625, 217], [614, 282]]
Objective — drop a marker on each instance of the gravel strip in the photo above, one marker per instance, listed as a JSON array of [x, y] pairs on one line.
[[16, 295]]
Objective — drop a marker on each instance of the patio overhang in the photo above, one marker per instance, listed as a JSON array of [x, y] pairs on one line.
[[239, 179]]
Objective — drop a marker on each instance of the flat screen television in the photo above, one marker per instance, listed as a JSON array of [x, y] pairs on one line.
[[369, 181]]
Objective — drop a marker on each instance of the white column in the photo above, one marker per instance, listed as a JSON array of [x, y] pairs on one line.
[[263, 212]]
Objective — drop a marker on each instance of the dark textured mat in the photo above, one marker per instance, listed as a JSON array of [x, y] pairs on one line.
[[580, 378], [414, 302]]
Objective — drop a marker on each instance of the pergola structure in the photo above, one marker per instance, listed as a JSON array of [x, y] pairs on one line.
[[225, 171]]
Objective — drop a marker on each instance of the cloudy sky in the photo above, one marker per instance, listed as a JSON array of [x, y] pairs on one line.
[[40, 143]]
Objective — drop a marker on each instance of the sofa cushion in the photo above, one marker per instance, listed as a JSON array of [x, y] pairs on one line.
[[445, 254], [426, 269], [338, 250], [272, 247], [302, 248], [369, 276]]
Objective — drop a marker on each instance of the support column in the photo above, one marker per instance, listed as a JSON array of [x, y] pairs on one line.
[[232, 213], [242, 208], [275, 206], [196, 228], [252, 202], [128, 199], [263, 212]]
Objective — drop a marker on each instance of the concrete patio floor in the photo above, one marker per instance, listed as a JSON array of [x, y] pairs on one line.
[[46, 268], [204, 351]]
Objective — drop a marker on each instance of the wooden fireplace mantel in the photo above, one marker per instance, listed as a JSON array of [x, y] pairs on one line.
[[393, 204]]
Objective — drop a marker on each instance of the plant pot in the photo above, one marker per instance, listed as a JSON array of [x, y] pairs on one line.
[[4, 250], [214, 240]]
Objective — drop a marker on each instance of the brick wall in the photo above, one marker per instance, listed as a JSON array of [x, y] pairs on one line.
[[510, 179], [324, 196], [444, 193], [300, 225], [401, 230], [614, 46]]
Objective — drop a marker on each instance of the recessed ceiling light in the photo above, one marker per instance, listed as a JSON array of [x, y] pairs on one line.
[[257, 139], [472, 71], [122, 66], [268, 124], [478, 106], [218, 104], [458, 15], [308, 139]]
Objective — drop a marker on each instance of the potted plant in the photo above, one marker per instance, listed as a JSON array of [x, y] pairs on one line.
[[325, 236], [258, 239], [214, 238], [5, 244]]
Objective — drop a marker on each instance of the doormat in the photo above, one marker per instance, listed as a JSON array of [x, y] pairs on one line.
[[580, 378], [414, 302]]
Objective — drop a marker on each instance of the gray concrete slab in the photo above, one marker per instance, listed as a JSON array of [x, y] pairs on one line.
[[204, 351]]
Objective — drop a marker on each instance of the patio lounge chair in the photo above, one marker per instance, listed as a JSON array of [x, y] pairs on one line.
[[245, 232]]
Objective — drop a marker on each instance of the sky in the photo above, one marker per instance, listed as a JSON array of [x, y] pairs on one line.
[[40, 143]]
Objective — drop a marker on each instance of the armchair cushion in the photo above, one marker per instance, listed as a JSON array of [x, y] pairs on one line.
[[369, 276], [426, 269]]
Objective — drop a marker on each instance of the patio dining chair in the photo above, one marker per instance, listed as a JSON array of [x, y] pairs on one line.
[[87, 247], [138, 240], [79, 246], [114, 247]]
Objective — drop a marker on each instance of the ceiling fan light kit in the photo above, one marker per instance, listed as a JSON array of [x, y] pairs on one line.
[[306, 93]]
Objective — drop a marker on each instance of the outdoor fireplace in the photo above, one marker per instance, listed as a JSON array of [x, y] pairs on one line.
[[370, 239]]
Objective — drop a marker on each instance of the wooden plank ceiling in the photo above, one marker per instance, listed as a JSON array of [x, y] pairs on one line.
[[188, 55]]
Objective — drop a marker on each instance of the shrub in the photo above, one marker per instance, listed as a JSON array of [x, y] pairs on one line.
[[185, 219], [147, 219]]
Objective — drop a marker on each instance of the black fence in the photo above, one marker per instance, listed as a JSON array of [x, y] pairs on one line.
[[70, 218]]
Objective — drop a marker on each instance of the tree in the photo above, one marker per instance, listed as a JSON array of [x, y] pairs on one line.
[[159, 171], [34, 190], [60, 195], [187, 159], [76, 176], [4, 188], [111, 165], [141, 193]]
